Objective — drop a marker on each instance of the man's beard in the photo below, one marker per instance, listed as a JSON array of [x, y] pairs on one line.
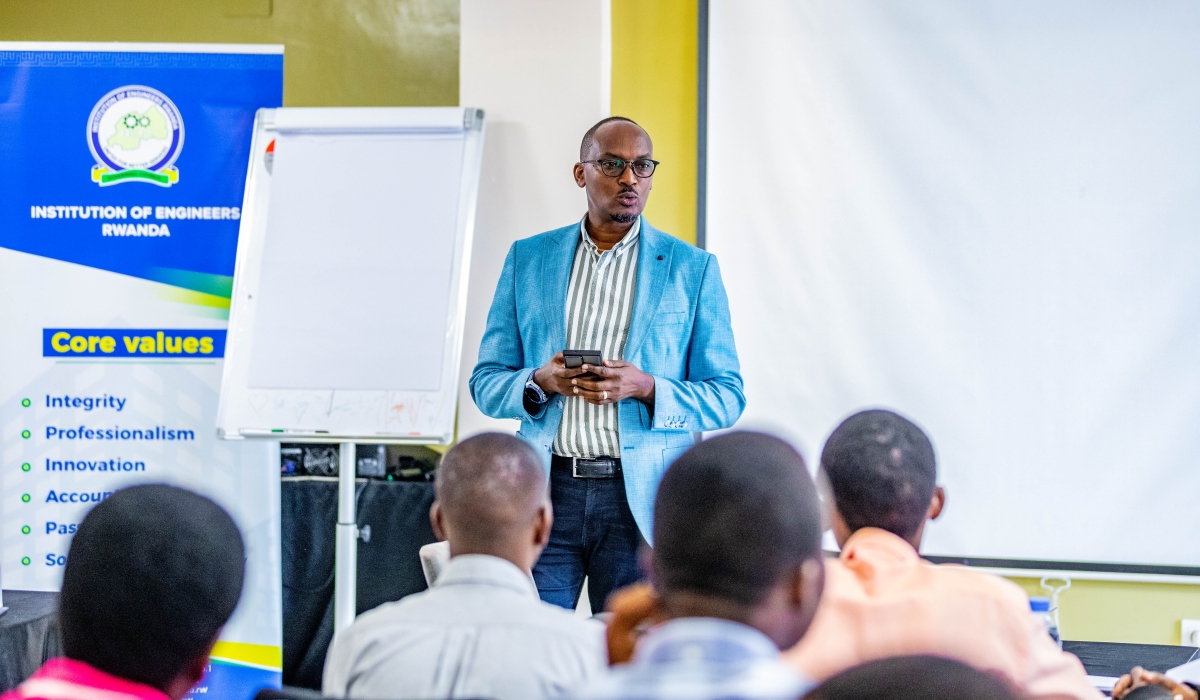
[[623, 218]]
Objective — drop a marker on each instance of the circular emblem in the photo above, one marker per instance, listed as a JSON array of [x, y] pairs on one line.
[[135, 134]]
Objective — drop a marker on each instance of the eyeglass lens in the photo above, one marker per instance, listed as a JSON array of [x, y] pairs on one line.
[[616, 168]]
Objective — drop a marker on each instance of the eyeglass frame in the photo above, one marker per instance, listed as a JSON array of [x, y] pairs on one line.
[[628, 165]]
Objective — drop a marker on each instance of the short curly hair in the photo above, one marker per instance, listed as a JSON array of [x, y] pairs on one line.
[[733, 516], [882, 471], [153, 574]]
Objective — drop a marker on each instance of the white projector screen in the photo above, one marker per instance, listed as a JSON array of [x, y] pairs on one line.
[[984, 214]]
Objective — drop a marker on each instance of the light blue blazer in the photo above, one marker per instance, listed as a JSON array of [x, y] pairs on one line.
[[679, 334]]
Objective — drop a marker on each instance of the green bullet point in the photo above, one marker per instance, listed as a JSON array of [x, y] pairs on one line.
[[25, 434], [26, 561], [26, 402], [25, 530], [25, 467], [24, 498]]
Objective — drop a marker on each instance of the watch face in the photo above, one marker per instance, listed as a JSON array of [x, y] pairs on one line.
[[534, 395]]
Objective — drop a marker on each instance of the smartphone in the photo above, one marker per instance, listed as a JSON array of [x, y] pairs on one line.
[[574, 359]]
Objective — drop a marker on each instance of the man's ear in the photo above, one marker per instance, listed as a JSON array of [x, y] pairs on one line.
[[825, 495], [437, 519], [181, 685], [936, 504], [579, 175], [543, 525], [808, 582], [841, 531], [195, 669]]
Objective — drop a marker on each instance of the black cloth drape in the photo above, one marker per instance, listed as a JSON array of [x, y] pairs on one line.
[[28, 635], [389, 567]]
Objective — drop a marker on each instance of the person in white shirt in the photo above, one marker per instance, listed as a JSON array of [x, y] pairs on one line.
[[481, 631]]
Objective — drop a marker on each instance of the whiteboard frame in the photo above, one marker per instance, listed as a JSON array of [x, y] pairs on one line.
[[268, 124]]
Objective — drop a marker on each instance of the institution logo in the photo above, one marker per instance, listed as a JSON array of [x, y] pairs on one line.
[[135, 134]]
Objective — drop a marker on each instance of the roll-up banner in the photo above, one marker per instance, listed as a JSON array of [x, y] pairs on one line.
[[122, 169]]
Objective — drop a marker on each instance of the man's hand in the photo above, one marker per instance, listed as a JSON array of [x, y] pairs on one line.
[[634, 609], [555, 378], [615, 381], [1139, 677]]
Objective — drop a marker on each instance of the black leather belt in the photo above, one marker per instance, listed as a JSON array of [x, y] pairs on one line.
[[588, 467]]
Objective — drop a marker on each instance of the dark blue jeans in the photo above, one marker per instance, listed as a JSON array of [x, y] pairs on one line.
[[594, 535]]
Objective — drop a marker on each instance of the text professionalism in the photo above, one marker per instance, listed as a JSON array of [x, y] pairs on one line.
[[112, 213], [158, 432]]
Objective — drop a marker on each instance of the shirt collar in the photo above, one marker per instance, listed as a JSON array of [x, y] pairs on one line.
[[704, 640], [630, 237], [63, 678], [486, 570], [873, 553]]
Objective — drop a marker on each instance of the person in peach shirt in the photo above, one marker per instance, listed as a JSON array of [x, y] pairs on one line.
[[878, 479]]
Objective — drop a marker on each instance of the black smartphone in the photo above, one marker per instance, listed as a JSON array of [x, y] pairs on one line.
[[574, 359]]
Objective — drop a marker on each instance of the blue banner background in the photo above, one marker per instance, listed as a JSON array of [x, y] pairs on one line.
[[45, 100]]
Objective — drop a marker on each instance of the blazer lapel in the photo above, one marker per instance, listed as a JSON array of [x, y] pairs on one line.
[[558, 253], [651, 278]]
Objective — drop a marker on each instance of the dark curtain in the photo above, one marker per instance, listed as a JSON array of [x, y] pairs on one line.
[[389, 567]]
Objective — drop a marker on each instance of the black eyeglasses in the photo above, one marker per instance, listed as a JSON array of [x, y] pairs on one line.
[[615, 167]]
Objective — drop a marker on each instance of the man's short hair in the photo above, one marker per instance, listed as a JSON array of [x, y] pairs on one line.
[[590, 137], [152, 575], [914, 678], [733, 516], [882, 471], [490, 485]]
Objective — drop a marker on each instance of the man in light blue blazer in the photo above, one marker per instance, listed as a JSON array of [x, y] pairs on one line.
[[654, 307]]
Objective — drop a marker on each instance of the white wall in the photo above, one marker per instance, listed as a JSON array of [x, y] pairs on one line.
[[542, 70]]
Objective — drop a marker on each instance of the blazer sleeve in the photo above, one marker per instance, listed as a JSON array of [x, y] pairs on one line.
[[711, 397], [498, 380]]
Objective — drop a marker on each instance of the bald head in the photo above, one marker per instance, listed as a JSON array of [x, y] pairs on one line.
[[491, 494], [589, 137]]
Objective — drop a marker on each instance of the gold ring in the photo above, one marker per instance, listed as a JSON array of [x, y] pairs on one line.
[[605, 396]]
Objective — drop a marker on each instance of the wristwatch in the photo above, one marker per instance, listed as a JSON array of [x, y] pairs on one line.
[[534, 393]]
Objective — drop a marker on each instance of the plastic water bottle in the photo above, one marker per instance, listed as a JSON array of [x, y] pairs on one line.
[[1041, 611]]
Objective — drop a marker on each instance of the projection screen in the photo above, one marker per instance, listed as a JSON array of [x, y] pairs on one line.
[[984, 214]]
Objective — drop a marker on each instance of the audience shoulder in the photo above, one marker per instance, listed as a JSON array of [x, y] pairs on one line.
[[989, 585]]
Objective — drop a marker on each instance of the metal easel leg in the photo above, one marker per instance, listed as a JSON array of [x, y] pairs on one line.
[[345, 568]]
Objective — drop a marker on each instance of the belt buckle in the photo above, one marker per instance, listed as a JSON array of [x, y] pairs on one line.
[[595, 462]]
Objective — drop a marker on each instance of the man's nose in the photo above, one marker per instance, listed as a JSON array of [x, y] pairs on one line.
[[627, 177]]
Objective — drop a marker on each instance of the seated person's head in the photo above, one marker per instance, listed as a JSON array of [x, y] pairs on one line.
[[879, 471], [737, 535], [914, 678], [153, 574], [492, 499]]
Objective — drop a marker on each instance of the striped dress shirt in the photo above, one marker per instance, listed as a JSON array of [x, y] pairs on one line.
[[600, 296]]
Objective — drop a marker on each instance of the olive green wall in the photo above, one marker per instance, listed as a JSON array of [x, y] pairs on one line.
[[337, 52]]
